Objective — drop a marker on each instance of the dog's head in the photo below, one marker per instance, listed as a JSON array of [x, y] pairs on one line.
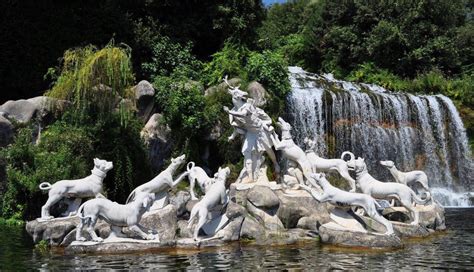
[[388, 164], [103, 165], [178, 160], [146, 199], [357, 165], [223, 173], [283, 124]]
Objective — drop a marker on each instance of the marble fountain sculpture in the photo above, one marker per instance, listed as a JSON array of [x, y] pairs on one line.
[[90, 186], [298, 205], [412, 178]]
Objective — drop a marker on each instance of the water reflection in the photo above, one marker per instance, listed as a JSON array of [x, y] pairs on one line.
[[451, 250]]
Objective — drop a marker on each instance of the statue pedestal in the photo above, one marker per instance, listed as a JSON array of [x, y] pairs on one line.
[[345, 230], [115, 246]]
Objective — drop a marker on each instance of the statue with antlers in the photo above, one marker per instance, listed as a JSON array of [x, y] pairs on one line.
[[255, 126]]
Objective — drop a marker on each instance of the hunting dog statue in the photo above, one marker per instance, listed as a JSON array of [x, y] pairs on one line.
[[117, 215], [90, 186], [214, 196], [385, 190], [326, 165], [408, 178], [162, 181], [289, 149], [339, 197], [198, 175]]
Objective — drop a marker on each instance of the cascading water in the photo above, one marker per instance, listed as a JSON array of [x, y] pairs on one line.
[[415, 131]]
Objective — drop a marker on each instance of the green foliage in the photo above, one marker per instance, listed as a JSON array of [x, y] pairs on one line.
[[229, 61], [53, 159], [270, 69], [171, 58], [92, 79]]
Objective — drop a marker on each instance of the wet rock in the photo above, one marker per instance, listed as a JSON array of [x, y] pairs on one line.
[[252, 230], [184, 231], [144, 94], [118, 246], [231, 232], [431, 216], [52, 231], [309, 223], [258, 93], [6, 131], [332, 233], [157, 137]]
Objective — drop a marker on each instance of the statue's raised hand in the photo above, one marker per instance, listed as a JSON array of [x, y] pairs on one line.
[[226, 109]]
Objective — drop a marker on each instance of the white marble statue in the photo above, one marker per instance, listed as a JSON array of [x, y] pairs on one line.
[[163, 181], [255, 126], [117, 215], [217, 194], [342, 198], [198, 175], [385, 190], [90, 186], [326, 165], [290, 150], [293, 177], [408, 178]]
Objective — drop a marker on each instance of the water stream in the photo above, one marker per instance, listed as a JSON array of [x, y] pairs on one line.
[[421, 132]]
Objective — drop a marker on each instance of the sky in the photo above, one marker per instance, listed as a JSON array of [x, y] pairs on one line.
[[269, 2]]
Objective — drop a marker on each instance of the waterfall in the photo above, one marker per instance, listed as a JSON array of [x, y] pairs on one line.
[[423, 132]]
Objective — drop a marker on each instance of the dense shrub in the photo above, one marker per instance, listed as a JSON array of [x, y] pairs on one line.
[[227, 62]]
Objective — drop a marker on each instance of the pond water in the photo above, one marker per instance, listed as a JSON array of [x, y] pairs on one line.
[[453, 249]]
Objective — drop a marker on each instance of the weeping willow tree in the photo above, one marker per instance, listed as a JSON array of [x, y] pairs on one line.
[[96, 81]]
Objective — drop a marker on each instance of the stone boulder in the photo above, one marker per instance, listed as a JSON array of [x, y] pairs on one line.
[[263, 198], [332, 233], [52, 231], [21, 111], [6, 131], [179, 201], [222, 87], [296, 204], [164, 221], [258, 93], [144, 95], [252, 230], [156, 136]]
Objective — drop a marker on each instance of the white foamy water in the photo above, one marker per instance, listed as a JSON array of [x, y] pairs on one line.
[[422, 132]]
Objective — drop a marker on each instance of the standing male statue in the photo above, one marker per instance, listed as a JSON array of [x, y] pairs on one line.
[[255, 125]]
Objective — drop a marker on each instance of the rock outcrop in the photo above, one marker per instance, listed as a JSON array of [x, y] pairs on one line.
[[156, 136]]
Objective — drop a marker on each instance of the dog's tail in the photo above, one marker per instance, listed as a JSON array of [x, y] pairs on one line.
[[130, 197], [45, 186], [193, 214], [190, 166], [81, 210], [419, 200], [347, 153]]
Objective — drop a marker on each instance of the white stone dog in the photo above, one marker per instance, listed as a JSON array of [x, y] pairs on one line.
[[215, 195], [197, 174], [385, 190], [117, 215], [289, 149], [326, 165], [90, 186], [339, 197], [408, 178], [163, 181]]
